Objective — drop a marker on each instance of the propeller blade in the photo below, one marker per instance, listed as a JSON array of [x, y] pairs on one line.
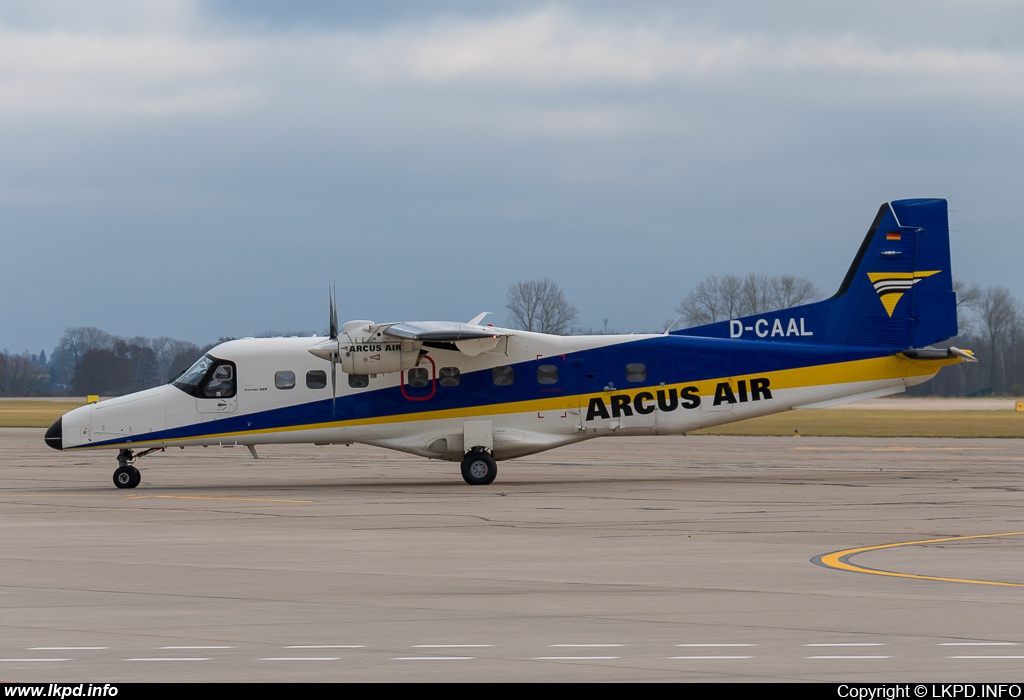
[[334, 311]]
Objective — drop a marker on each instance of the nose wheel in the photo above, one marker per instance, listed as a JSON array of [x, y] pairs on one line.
[[479, 468], [127, 477]]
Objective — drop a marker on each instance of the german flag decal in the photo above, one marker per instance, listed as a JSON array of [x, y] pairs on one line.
[[893, 236], [891, 286]]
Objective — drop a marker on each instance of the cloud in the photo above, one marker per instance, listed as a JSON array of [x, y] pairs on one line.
[[147, 72], [553, 49], [61, 72], [604, 142]]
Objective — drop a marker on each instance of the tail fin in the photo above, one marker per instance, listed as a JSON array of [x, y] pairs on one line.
[[897, 294]]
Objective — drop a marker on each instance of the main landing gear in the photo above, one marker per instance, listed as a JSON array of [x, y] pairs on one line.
[[479, 468], [126, 476]]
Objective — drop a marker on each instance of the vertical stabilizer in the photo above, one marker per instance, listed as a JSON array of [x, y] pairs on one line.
[[898, 293]]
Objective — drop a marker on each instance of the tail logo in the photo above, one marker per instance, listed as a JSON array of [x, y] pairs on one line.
[[891, 286]]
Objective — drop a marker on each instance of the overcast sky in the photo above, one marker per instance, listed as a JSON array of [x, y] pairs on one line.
[[205, 169]]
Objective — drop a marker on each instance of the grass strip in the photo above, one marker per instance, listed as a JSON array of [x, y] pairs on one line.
[[26, 413], [879, 423]]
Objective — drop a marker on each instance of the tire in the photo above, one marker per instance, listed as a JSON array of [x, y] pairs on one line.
[[127, 477], [479, 468]]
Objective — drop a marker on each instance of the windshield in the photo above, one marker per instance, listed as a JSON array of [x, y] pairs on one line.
[[188, 380]]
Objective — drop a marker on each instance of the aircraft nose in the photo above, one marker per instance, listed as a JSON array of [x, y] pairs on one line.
[[55, 435]]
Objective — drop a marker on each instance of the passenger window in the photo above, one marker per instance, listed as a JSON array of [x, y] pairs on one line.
[[448, 376], [221, 383], [503, 375], [418, 377], [359, 381], [547, 374], [285, 379], [636, 372], [316, 379]]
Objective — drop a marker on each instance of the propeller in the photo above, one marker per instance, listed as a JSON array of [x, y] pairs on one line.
[[330, 349], [336, 352]]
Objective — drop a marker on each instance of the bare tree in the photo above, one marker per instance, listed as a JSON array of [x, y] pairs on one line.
[[540, 306], [757, 293], [78, 341], [996, 312], [74, 344], [173, 355], [713, 299], [19, 376], [967, 297], [721, 298], [102, 371], [794, 291], [1013, 352], [141, 362], [185, 358]]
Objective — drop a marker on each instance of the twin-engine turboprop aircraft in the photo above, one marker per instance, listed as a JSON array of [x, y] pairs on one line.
[[476, 393]]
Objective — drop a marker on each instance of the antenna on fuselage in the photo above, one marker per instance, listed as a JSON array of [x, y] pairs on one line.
[[672, 325]]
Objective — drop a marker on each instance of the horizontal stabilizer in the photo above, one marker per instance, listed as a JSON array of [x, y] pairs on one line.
[[939, 354]]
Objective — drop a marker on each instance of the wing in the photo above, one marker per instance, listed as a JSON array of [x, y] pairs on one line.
[[447, 331], [469, 338]]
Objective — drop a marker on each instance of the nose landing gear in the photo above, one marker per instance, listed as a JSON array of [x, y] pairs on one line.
[[126, 476]]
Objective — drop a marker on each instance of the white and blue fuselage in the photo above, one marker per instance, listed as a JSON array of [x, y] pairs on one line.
[[480, 394]]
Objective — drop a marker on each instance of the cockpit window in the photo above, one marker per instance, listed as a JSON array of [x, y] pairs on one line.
[[188, 380], [221, 383], [208, 378]]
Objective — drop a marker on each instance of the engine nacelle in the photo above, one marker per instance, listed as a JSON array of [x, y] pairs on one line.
[[378, 357]]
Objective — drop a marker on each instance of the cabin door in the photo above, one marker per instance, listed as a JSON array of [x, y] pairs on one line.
[[219, 394]]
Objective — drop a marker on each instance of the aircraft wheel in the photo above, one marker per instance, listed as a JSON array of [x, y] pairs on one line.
[[127, 477], [479, 468]]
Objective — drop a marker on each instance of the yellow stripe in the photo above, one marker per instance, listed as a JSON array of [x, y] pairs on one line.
[[220, 498], [921, 274], [889, 367], [835, 560], [875, 276]]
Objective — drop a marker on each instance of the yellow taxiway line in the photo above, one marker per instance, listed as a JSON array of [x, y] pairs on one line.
[[841, 560], [221, 498]]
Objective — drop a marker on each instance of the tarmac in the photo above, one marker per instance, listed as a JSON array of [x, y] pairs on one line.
[[620, 559], [933, 403]]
